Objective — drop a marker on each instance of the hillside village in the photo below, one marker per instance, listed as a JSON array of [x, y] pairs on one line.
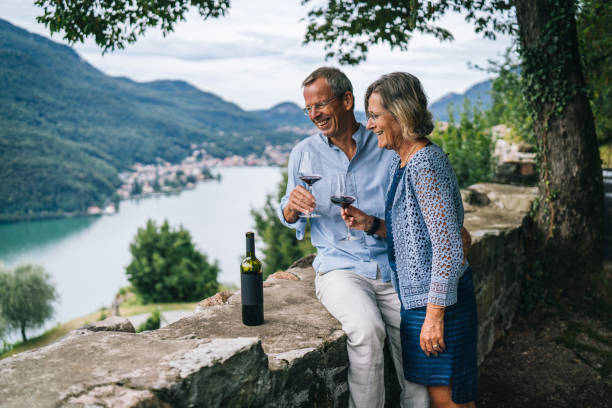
[[164, 177]]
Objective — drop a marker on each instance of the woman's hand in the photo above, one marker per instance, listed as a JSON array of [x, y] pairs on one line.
[[432, 331], [356, 219]]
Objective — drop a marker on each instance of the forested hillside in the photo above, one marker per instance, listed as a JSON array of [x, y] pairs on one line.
[[66, 129]]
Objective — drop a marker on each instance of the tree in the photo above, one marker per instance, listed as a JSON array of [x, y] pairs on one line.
[[166, 267], [282, 247], [569, 217], [114, 24], [3, 326], [26, 297], [595, 39]]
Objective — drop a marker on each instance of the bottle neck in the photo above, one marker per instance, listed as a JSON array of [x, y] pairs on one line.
[[250, 246]]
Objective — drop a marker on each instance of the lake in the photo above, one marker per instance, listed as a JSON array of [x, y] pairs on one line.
[[87, 256]]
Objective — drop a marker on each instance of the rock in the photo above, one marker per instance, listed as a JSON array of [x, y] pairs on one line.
[[283, 275], [116, 396], [474, 197], [215, 300], [504, 197], [303, 262], [111, 323]]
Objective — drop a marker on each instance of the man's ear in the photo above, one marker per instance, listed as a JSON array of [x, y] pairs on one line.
[[348, 100]]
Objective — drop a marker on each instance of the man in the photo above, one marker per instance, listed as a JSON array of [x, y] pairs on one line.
[[353, 277]]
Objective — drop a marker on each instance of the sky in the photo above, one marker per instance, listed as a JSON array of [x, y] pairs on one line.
[[254, 56]]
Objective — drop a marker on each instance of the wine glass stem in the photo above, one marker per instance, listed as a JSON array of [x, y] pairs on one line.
[[310, 191]]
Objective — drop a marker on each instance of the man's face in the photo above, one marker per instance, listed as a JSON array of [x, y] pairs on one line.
[[334, 118]]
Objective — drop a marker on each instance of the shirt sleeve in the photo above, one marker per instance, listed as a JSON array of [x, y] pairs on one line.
[[300, 224], [433, 185]]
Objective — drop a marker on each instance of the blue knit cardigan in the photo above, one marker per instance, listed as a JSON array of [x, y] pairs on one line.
[[426, 216]]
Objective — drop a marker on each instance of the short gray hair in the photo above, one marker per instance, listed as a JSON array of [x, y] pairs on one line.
[[402, 95], [336, 79]]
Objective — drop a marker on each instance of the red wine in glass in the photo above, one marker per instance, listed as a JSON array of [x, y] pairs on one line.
[[308, 172], [344, 193], [343, 201], [310, 180]]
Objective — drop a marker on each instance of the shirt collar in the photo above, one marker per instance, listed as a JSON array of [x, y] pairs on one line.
[[357, 137]]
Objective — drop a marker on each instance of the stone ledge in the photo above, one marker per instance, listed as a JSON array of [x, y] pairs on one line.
[[296, 359]]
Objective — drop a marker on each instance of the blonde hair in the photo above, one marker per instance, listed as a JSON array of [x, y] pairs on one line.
[[402, 95]]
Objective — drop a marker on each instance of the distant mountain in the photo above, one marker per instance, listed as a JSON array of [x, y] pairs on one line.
[[477, 94], [66, 128], [288, 114], [285, 114]]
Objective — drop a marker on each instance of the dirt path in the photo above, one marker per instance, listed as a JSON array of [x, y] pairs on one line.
[[557, 357]]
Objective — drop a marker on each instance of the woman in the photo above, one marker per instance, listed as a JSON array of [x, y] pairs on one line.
[[423, 219]]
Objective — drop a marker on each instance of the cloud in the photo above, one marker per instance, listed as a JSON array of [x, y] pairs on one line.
[[255, 57]]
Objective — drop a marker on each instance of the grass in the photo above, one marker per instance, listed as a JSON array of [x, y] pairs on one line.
[[61, 330]]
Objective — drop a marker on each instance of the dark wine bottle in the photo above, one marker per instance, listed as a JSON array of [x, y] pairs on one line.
[[251, 285]]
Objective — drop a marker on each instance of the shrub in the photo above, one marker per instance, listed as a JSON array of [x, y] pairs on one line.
[[166, 267], [152, 323], [469, 145]]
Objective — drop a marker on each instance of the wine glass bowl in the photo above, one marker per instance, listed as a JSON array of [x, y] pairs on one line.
[[344, 193], [309, 173]]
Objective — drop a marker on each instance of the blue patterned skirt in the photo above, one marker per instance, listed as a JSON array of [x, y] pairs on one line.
[[457, 365]]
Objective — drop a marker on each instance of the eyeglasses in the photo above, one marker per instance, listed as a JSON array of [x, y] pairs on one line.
[[319, 105], [373, 116]]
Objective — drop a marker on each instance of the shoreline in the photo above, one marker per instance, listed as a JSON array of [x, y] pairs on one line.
[[44, 216]]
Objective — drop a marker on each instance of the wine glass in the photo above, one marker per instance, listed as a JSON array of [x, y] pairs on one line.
[[344, 193], [308, 172]]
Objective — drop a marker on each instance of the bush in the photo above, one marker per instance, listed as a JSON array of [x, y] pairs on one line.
[[26, 297], [166, 267], [103, 314], [469, 145], [152, 323], [508, 101]]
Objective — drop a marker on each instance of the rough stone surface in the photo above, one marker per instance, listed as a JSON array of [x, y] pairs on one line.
[[283, 275], [215, 300], [111, 323], [497, 255], [297, 358]]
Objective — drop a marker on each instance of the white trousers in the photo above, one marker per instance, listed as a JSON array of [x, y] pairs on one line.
[[369, 311]]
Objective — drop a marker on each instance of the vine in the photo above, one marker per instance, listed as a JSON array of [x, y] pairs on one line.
[[547, 89]]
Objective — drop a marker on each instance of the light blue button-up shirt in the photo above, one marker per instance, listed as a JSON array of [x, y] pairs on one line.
[[370, 168]]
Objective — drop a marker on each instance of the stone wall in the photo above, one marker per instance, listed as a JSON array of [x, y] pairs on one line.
[[296, 359]]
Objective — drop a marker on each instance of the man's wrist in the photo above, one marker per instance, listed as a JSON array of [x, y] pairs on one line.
[[291, 216]]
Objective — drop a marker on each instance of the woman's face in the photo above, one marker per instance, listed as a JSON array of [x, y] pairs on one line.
[[382, 122]]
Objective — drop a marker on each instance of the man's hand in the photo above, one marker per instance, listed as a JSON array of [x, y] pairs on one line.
[[300, 202]]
